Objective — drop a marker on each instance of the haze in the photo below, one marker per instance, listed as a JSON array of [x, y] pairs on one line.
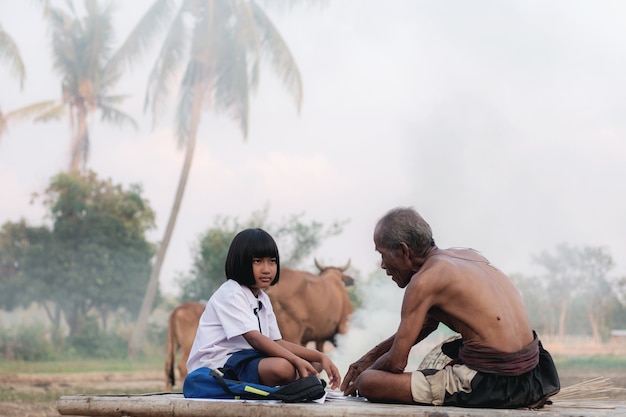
[[502, 122]]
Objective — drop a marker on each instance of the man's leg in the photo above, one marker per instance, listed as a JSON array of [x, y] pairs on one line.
[[381, 386]]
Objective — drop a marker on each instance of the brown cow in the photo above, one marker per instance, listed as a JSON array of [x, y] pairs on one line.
[[312, 307], [183, 324]]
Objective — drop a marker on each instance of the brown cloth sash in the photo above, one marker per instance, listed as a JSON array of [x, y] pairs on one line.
[[492, 361]]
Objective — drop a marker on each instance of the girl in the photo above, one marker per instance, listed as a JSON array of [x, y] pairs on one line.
[[238, 331]]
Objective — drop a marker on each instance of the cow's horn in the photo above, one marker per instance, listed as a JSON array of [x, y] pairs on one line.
[[346, 266], [319, 266]]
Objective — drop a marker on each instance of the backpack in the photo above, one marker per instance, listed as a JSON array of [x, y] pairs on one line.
[[211, 383]]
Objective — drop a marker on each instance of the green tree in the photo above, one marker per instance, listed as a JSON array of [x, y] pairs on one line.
[[573, 272], [221, 45], [597, 287], [16, 240], [84, 57], [537, 303], [94, 260], [295, 239]]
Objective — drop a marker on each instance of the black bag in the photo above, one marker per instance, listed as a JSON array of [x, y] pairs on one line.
[[211, 383]]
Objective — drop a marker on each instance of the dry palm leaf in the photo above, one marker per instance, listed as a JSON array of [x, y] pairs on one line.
[[590, 390]]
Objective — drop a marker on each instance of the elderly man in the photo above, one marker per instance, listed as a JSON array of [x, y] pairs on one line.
[[498, 362]]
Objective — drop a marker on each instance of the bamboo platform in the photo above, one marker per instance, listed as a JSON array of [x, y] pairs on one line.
[[175, 405]]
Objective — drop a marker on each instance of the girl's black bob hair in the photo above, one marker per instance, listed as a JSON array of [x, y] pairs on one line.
[[246, 245]]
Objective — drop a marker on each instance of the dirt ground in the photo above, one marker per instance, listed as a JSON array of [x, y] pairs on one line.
[[55, 385]]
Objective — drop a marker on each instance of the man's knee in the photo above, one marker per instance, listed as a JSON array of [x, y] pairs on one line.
[[368, 384], [381, 386]]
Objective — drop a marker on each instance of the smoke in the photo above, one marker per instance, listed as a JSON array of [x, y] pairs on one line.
[[376, 320]]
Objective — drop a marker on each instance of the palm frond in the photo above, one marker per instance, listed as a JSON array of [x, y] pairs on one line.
[[54, 113], [191, 86], [138, 42], [64, 49], [231, 87], [30, 111], [167, 64], [287, 5], [226, 43], [114, 99], [116, 117], [21, 114], [10, 54], [280, 56], [249, 37], [99, 35]]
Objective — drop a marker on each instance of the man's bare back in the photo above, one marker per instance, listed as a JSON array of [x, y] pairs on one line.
[[476, 299]]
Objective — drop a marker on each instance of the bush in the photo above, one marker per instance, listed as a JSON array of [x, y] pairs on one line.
[[91, 342], [27, 343]]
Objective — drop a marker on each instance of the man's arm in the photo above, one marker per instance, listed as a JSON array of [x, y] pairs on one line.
[[415, 325], [430, 325], [355, 369]]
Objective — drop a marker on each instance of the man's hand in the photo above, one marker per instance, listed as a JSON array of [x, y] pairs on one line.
[[349, 382]]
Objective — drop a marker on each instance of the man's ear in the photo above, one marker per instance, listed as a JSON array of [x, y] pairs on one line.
[[405, 250]]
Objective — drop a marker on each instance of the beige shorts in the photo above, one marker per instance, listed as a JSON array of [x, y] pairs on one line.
[[432, 389]]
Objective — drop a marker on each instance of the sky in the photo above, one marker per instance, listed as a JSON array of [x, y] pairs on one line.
[[502, 122]]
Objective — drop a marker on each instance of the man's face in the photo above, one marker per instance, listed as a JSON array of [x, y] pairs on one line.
[[396, 264]]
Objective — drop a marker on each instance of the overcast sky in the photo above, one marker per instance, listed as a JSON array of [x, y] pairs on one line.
[[502, 122]]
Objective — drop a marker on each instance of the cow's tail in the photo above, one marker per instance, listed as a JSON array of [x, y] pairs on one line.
[[170, 358]]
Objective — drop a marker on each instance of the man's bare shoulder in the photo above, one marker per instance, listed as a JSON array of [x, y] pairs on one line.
[[463, 254], [436, 272], [442, 260], [452, 270]]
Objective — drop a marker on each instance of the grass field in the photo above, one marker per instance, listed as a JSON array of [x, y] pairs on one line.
[[590, 363], [47, 381], [80, 365]]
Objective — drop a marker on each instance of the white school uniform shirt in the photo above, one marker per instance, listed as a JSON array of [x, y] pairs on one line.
[[229, 314]]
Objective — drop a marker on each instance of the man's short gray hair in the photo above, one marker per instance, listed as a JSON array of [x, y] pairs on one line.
[[404, 224]]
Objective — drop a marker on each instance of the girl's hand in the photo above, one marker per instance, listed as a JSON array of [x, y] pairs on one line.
[[304, 368], [332, 372]]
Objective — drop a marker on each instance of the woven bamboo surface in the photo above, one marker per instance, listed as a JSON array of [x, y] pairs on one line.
[[174, 405]]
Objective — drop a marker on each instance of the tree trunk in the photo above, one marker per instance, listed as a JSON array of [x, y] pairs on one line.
[[139, 333], [595, 327], [562, 317], [79, 142]]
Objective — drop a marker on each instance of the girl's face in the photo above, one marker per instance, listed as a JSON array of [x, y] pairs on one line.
[[264, 271]]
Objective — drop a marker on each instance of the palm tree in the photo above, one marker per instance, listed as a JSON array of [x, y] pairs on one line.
[[221, 44], [10, 54], [83, 56]]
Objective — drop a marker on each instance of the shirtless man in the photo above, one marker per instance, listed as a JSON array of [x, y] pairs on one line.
[[499, 362]]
